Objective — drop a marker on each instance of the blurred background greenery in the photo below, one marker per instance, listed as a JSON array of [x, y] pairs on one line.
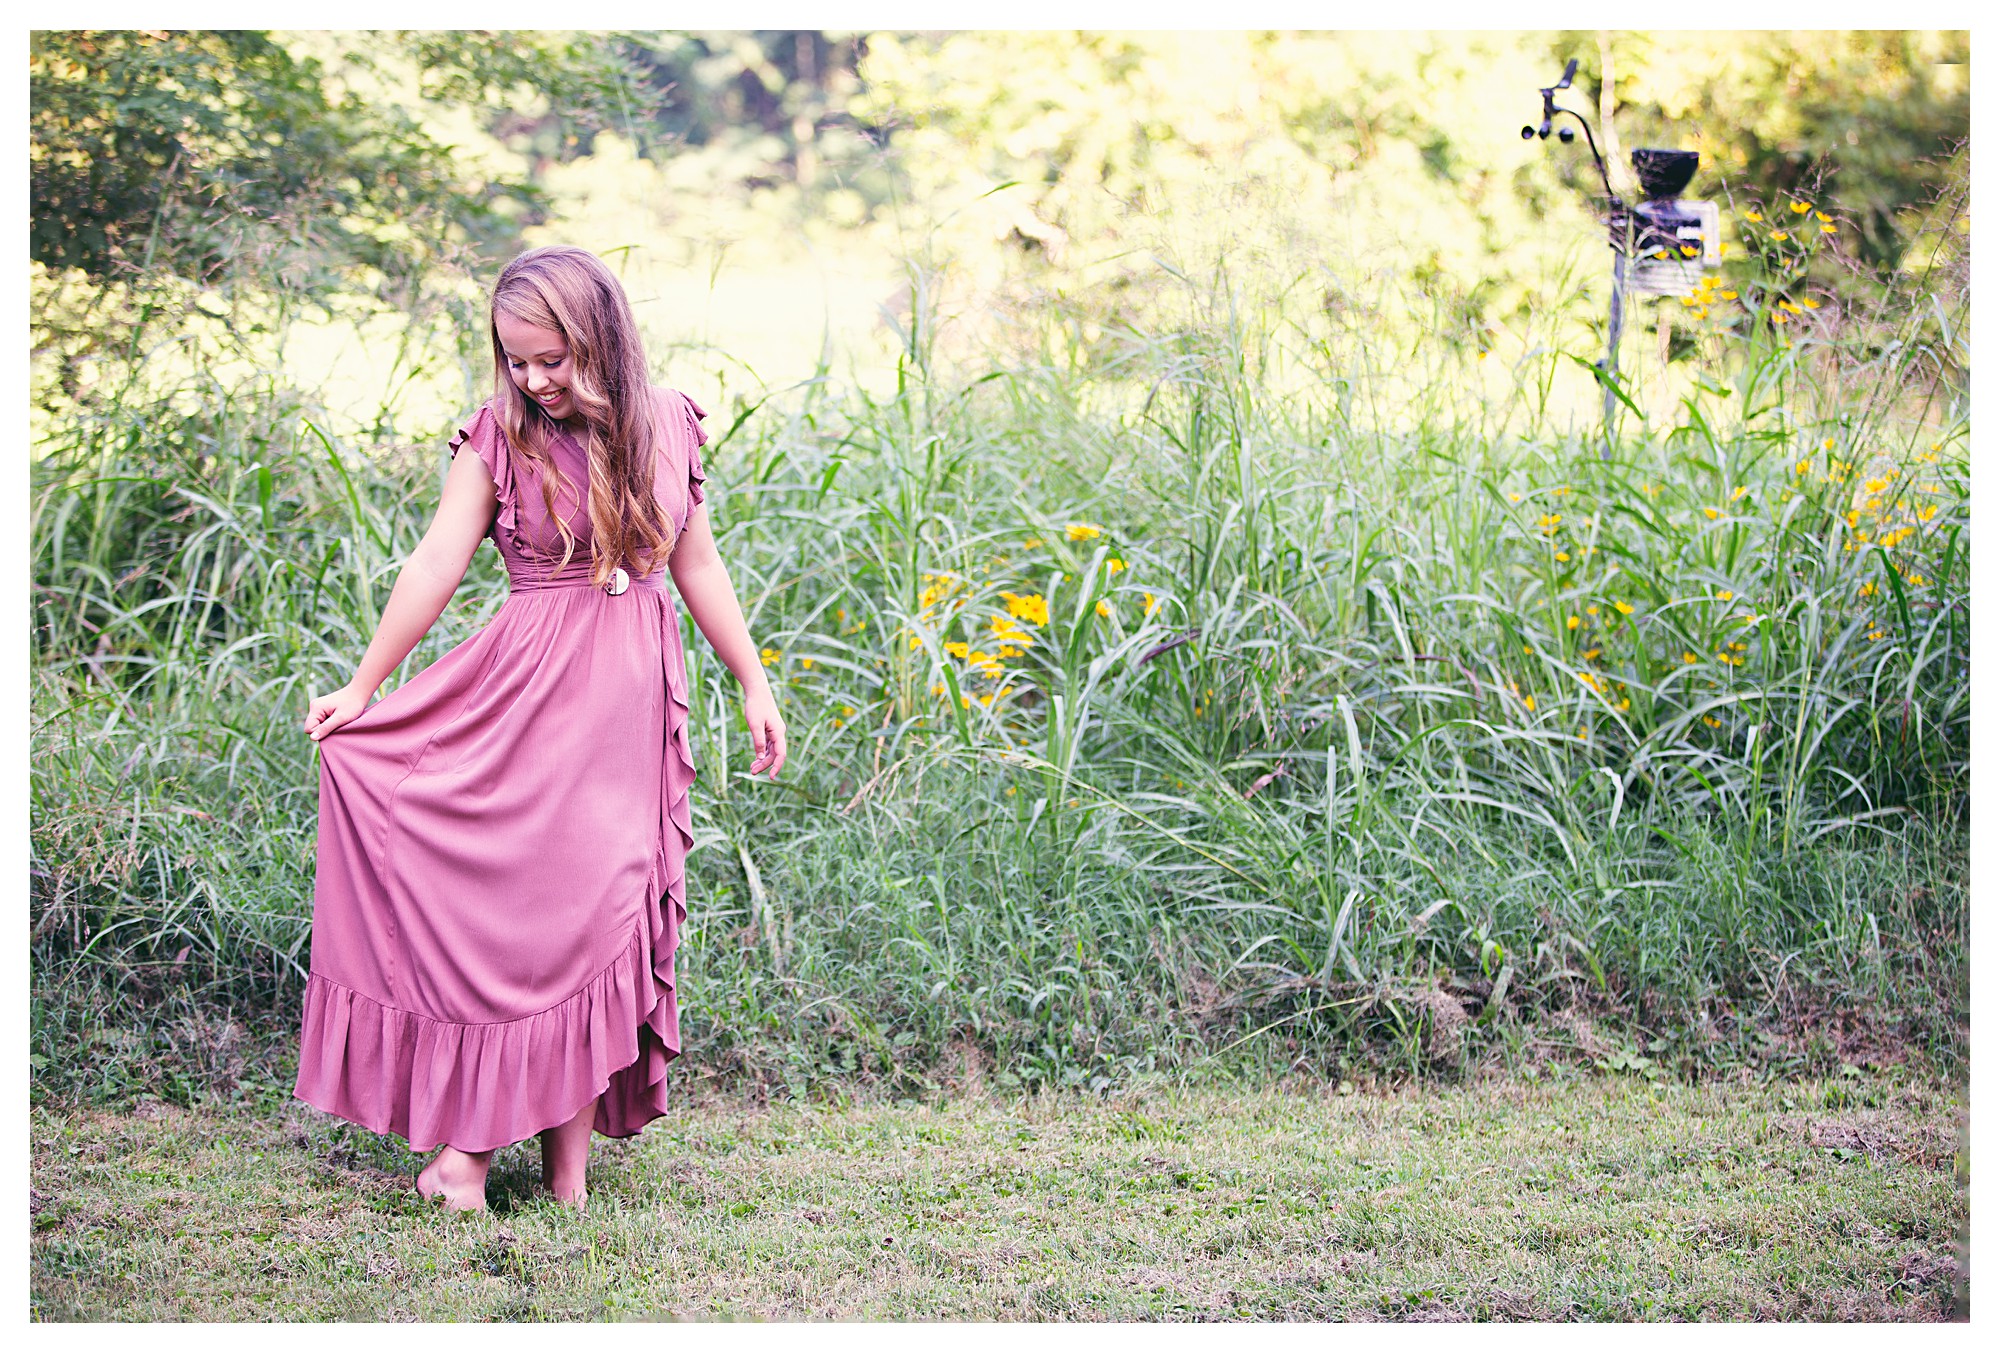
[[1165, 473]]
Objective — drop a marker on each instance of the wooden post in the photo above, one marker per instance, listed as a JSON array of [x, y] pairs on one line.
[[1611, 347]]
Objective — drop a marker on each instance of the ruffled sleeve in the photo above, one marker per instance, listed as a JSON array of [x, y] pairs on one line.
[[696, 473], [481, 433]]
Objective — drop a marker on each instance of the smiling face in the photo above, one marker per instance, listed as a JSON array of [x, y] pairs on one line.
[[538, 360]]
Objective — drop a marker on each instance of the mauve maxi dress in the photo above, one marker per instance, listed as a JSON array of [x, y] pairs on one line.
[[502, 844]]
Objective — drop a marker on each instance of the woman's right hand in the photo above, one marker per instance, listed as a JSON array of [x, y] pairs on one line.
[[327, 713]]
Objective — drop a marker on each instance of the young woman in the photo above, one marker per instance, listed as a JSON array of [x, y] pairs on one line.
[[502, 840]]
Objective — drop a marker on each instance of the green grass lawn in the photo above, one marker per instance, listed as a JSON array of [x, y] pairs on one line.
[[1499, 1199]]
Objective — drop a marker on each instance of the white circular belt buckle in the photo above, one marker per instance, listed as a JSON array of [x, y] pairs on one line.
[[618, 583]]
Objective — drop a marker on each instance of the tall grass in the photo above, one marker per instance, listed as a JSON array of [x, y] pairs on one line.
[[1169, 700]]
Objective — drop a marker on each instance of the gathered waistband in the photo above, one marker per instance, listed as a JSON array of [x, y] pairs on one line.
[[529, 582]]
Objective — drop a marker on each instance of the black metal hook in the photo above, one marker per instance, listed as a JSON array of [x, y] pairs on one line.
[[1551, 111]]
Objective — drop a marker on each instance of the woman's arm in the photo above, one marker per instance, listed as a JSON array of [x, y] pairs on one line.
[[423, 587], [703, 582]]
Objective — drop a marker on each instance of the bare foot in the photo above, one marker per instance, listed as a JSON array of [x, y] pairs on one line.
[[576, 1198], [565, 1155], [456, 1178]]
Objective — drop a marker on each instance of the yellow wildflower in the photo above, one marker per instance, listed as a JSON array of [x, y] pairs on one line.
[[1528, 700], [1729, 295], [1031, 543], [1710, 512], [1725, 595], [1711, 721], [768, 656], [1031, 607], [1829, 231], [1002, 627], [1689, 658], [1753, 216], [1780, 236], [1622, 608], [1625, 703], [1150, 603], [1590, 610], [1078, 533], [1113, 565], [1562, 557], [806, 662], [1591, 654], [1801, 466], [1574, 621], [957, 649], [1800, 206], [1103, 608]]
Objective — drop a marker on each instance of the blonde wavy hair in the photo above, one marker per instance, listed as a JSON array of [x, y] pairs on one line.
[[568, 290]]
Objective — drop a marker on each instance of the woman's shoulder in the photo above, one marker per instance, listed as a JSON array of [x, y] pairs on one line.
[[482, 427], [677, 406], [671, 398], [486, 434]]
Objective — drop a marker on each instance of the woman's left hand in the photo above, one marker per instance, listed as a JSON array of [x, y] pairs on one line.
[[767, 731]]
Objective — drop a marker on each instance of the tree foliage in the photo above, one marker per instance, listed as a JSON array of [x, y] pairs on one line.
[[178, 170]]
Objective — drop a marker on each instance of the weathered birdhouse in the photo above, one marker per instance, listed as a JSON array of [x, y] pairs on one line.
[[1669, 240]]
